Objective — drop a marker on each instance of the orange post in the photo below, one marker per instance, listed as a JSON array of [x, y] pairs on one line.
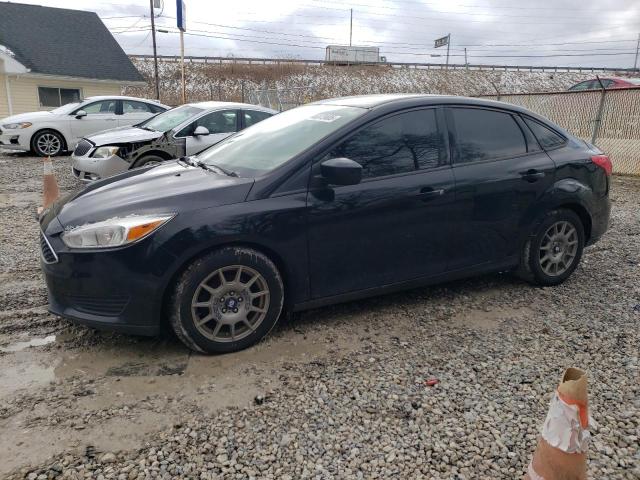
[[50, 191]]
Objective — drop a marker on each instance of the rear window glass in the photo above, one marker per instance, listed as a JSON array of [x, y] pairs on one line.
[[486, 134], [547, 138]]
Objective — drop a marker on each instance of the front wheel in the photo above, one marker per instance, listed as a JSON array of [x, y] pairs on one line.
[[227, 300], [47, 143], [148, 161], [552, 255]]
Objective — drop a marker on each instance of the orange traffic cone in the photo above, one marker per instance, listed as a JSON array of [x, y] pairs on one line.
[[51, 191], [562, 448]]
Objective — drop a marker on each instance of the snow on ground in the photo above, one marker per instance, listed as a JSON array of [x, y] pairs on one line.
[[227, 81]]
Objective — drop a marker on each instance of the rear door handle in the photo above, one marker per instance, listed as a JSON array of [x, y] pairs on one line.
[[426, 192], [532, 175]]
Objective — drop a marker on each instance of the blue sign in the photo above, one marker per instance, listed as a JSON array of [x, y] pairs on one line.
[[181, 8]]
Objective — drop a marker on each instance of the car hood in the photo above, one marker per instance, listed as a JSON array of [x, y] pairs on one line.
[[27, 117], [123, 135], [171, 187]]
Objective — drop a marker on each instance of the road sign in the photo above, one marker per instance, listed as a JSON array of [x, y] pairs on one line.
[[181, 8], [441, 42]]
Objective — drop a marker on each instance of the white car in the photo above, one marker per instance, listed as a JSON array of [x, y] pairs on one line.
[[183, 131], [56, 131]]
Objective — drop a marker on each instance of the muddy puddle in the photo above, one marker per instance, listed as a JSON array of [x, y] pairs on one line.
[[113, 396]]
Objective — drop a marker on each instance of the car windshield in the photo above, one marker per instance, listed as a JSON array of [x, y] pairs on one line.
[[171, 118], [266, 145], [65, 108]]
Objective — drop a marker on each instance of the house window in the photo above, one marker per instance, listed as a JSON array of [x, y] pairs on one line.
[[56, 97]]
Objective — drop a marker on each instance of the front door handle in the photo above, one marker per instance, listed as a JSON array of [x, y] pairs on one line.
[[532, 175]]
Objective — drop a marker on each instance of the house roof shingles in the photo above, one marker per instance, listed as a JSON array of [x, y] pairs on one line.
[[59, 41]]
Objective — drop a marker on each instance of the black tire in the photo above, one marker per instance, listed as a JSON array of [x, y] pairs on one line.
[[44, 143], [533, 267], [189, 287], [148, 160]]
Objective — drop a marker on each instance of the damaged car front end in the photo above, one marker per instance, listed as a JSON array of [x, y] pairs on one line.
[[183, 131]]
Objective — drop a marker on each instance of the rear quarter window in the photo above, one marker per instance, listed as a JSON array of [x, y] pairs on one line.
[[547, 138]]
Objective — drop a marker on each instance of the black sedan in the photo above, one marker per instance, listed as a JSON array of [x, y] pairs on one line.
[[332, 201]]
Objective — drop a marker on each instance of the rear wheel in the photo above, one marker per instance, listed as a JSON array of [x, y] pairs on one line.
[[227, 300], [552, 255]]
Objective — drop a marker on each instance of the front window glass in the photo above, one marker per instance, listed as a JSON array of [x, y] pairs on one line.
[[216, 122], [270, 143], [402, 143], [171, 118], [106, 106]]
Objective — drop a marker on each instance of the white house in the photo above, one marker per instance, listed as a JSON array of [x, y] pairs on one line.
[[52, 56]]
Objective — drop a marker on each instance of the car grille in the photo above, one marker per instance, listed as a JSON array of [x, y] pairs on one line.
[[82, 148], [48, 255], [107, 306]]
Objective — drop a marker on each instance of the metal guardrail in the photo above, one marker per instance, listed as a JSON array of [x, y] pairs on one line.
[[437, 66]]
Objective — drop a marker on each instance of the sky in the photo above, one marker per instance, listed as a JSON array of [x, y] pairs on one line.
[[599, 33]]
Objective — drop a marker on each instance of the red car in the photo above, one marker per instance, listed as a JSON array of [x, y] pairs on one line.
[[611, 82]]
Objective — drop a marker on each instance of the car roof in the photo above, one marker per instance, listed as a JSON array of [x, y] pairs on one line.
[[213, 105], [415, 100], [122, 97]]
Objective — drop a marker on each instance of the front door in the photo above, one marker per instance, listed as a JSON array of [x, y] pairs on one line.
[[393, 226], [100, 116], [500, 173], [220, 125]]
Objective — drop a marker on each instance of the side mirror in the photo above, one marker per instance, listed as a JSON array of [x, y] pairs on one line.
[[200, 131], [80, 114], [341, 171]]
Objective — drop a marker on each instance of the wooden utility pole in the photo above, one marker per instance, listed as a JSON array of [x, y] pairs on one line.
[[155, 52], [635, 62]]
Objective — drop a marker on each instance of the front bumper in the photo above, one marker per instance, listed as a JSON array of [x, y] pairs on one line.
[[88, 169], [16, 139], [118, 290]]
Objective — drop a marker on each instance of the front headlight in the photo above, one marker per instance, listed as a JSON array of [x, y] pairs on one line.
[[14, 126], [105, 152], [114, 232]]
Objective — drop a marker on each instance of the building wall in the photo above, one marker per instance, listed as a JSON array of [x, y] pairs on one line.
[[4, 105], [24, 91]]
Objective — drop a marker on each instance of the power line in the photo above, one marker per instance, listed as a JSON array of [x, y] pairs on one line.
[[441, 12]]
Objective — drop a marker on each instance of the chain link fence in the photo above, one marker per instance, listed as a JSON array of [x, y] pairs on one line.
[[282, 99], [610, 119]]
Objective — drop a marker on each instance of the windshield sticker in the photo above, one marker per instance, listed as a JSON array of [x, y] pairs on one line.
[[326, 117]]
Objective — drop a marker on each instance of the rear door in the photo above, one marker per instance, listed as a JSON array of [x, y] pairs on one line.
[[500, 173], [251, 117], [394, 225], [101, 115], [220, 125], [134, 112]]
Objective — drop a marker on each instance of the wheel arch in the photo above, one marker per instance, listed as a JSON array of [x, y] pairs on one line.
[[582, 213], [270, 253], [65, 141], [157, 152]]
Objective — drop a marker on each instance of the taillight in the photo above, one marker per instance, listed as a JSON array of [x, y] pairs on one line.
[[603, 162]]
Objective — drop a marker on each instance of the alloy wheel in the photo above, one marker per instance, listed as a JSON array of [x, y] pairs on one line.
[[230, 303], [49, 144], [558, 248]]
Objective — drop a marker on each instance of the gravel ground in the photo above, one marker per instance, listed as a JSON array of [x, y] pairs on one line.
[[337, 393]]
